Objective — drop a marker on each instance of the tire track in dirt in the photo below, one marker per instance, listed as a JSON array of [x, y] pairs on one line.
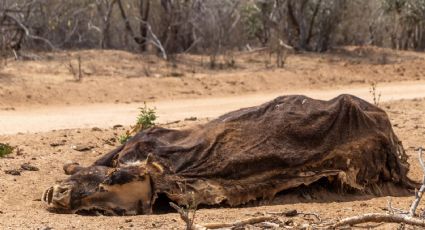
[[44, 119]]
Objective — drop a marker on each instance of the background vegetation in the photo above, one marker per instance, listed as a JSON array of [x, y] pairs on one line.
[[210, 27]]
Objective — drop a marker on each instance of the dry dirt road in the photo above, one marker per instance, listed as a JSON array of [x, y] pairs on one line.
[[41, 119]]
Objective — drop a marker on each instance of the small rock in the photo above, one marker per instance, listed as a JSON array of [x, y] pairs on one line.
[[28, 167], [291, 213], [110, 141], [96, 129], [46, 228], [191, 119], [131, 225], [1, 212], [289, 222], [173, 122], [117, 126], [13, 172], [55, 144], [37, 199], [81, 148], [128, 220], [268, 225]]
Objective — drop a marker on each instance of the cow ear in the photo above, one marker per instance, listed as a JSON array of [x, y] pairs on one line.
[[71, 168], [153, 166]]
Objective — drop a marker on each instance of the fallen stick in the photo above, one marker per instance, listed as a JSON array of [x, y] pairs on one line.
[[418, 194], [380, 217], [184, 215], [254, 220]]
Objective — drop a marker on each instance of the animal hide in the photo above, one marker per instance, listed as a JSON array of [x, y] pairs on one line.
[[259, 151]]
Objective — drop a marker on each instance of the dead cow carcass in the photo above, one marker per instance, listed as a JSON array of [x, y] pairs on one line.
[[243, 155]]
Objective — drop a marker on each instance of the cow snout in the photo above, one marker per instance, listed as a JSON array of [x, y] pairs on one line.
[[58, 196]]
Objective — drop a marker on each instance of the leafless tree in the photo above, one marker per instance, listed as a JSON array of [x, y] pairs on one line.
[[215, 28]]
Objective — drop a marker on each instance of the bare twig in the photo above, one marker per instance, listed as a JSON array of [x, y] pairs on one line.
[[253, 220], [27, 32], [380, 217], [78, 74], [155, 41], [289, 213], [185, 216], [312, 214], [376, 96], [393, 210], [418, 194]]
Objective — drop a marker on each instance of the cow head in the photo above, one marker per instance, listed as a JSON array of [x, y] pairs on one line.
[[126, 190]]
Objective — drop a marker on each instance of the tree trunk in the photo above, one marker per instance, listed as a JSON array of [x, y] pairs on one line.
[[105, 39], [293, 24], [128, 27], [144, 15]]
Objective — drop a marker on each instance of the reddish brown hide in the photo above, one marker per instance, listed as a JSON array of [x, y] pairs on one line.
[[259, 151], [244, 155]]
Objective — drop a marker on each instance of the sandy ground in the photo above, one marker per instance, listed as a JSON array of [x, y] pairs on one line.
[[105, 115], [121, 77], [399, 75]]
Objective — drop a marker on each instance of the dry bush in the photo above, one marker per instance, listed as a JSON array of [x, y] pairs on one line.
[[213, 28]]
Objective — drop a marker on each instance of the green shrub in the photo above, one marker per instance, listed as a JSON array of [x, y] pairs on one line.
[[146, 117], [5, 149], [145, 120], [124, 138]]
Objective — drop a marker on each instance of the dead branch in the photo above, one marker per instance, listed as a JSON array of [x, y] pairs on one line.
[[184, 215], [286, 46], [27, 31], [380, 217], [392, 210], [418, 194], [253, 220], [78, 74], [305, 214], [289, 213], [154, 39]]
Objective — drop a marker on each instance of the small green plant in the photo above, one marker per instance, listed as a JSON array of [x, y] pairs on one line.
[[124, 138], [145, 119], [5, 149]]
